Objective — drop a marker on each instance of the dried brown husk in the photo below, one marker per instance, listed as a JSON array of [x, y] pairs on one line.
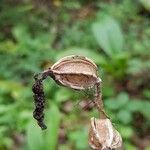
[[76, 72], [103, 135]]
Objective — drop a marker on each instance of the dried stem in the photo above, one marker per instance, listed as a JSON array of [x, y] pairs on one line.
[[98, 100]]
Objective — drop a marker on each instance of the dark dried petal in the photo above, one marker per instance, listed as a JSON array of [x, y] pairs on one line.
[[39, 100]]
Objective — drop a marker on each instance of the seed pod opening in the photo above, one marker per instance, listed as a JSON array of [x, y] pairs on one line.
[[103, 135], [76, 72]]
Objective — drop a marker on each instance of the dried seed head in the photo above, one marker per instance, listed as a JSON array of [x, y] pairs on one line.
[[103, 135], [39, 99], [76, 72]]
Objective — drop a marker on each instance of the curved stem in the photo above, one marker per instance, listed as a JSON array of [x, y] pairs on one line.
[[98, 100]]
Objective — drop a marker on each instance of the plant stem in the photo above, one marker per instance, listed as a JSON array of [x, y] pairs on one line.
[[98, 100]]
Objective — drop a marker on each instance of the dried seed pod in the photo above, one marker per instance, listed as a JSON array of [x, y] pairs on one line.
[[103, 136], [76, 72]]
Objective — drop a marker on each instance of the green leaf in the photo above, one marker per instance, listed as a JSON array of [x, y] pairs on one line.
[[146, 93], [145, 109], [126, 132], [23, 119], [124, 116], [135, 66], [147, 148], [80, 139], [108, 91], [117, 103], [20, 32], [141, 106], [122, 99], [64, 147], [108, 35], [8, 85], [53, 122], [111, 104], [7, 141], [62, 95], [134, 105], [130, 146], [34, 137]]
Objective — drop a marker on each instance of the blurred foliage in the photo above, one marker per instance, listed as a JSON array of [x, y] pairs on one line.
[[34, 34]]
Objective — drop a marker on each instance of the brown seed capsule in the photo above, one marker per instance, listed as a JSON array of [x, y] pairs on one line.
[[103, 135], [76, 72]]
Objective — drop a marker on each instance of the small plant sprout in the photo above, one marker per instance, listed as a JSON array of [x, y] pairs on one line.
[[80, 73]]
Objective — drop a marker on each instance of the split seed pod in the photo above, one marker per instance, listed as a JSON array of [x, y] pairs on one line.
[[75, 72], [103, 136]]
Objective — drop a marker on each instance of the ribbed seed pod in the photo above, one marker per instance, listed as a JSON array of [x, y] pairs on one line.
[[76, 72], [103, 136]]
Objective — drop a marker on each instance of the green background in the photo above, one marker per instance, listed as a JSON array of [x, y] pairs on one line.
[[34, 34]]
